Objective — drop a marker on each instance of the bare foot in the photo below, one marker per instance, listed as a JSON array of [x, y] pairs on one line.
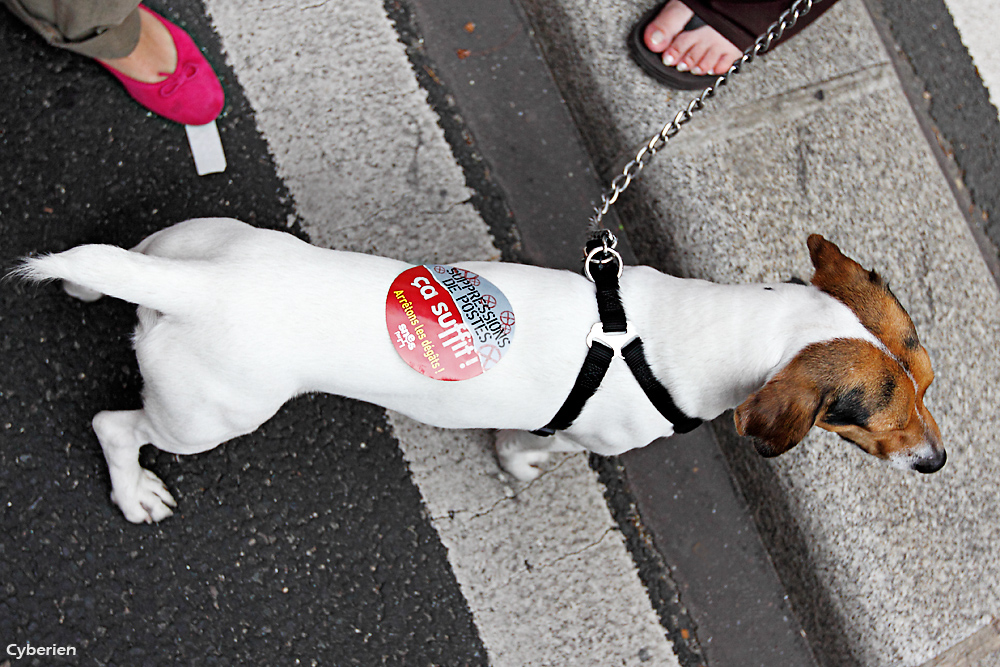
[[700, 51], [154, 57]]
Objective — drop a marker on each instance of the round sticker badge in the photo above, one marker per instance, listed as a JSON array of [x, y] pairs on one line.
[[448, 323]]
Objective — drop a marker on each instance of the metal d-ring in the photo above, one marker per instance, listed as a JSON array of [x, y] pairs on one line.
[[612, 256]]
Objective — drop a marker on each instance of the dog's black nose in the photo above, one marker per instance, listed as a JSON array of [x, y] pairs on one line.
[[932, 464]]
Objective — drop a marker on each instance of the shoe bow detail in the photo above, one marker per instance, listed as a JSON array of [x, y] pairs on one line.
[[181, 75]]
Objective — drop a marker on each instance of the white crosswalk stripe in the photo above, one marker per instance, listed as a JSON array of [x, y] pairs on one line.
[[977, 22], [544, 569]]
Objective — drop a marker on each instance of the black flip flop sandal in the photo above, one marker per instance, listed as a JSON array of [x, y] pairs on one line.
[[652, 63]]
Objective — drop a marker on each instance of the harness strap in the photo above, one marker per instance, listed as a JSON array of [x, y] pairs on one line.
[[595, 366], [609, 301], [605, 274], [657, 394]]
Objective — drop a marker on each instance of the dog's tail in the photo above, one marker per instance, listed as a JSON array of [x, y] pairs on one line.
[[161, 283]]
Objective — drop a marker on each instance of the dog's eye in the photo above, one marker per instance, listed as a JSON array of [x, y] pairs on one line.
[[887, 391], [848, 409]]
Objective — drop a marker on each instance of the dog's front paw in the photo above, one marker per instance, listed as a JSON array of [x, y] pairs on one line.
[[524, 466], [519, 454], [147, 502]]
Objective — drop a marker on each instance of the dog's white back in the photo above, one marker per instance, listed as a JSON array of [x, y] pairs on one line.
[[235, 320]]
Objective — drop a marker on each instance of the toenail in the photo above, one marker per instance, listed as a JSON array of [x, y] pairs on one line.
[[682, 67], [657, 38], [696, 70], [668, 60]]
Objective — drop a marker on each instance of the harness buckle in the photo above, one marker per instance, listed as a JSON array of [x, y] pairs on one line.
[[616, 341]]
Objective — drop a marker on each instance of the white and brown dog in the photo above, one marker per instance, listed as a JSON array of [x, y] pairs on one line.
[[235, 320]]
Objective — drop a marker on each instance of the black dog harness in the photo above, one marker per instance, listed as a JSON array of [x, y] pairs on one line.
[[612, 336]]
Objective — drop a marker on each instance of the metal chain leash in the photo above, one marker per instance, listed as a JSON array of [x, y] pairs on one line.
[[788, 19]]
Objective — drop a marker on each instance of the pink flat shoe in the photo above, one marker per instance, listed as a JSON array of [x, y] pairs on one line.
[[191, 95]]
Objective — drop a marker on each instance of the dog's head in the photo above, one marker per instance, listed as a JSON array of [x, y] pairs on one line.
[[872, 396]]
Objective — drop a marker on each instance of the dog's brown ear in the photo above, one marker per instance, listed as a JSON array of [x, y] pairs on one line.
[[842, 277], [781, 412], [822, 251], [867, 295], [833, 268]]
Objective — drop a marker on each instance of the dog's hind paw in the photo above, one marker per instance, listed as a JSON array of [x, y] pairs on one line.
[[148, 502]]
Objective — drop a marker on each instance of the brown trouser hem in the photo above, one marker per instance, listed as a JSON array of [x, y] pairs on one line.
[[742, 21]]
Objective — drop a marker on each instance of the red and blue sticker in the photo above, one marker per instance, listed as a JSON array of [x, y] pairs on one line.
[[448, 323]]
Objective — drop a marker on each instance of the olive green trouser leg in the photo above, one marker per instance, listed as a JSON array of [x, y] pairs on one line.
[[94, 28]]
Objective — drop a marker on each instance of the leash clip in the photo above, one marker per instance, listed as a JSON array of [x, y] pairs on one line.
[[615, 341]]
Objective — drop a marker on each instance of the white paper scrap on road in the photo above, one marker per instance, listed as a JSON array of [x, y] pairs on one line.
[[206, 147]]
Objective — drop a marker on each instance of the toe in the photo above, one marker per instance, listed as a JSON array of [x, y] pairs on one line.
[[695, 59], [157, 512], [710, 63], [148, 501], [133, 510], [159, 489], [684, 52], [701, 51], [526, 467], [523, 466], [661, 31], [719, 58]]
